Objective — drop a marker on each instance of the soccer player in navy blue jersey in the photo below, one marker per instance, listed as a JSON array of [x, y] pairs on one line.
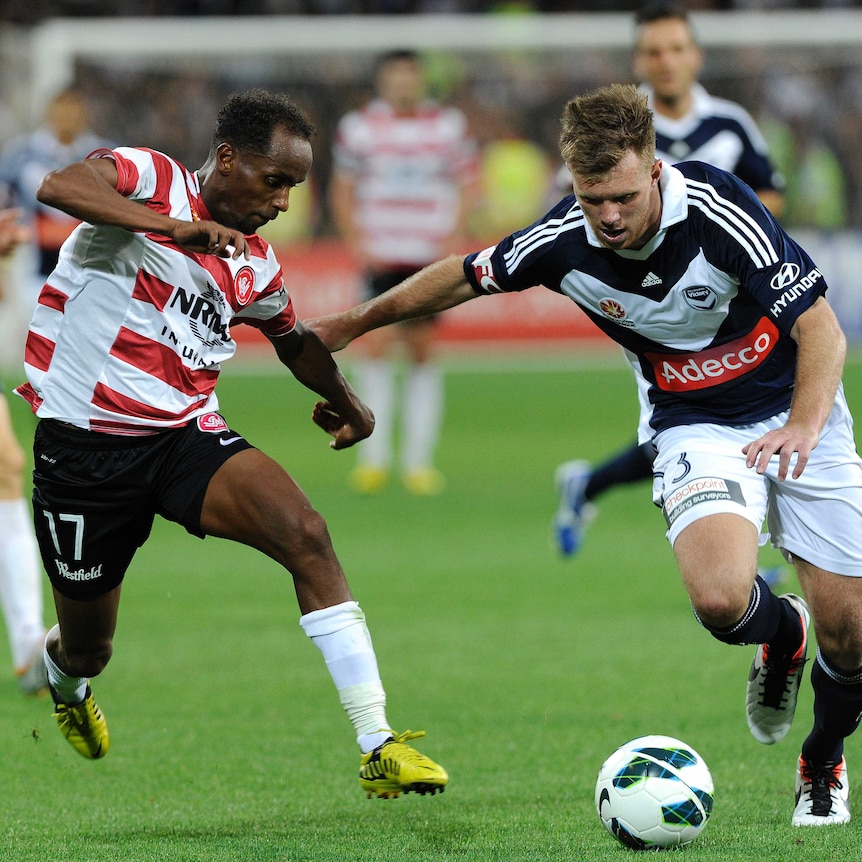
[[725, 319], [690, 125]]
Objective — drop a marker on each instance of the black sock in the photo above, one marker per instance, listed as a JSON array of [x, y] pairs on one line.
[[632, 465], [768, 619], [837, 708]]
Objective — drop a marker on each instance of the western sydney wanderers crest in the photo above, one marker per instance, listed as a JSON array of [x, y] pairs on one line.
[[212, 423], [243, 285]]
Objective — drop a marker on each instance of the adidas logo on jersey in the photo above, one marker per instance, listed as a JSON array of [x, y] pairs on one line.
[[651, 280]]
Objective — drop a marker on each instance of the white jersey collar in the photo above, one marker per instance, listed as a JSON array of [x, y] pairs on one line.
[[674, 209]]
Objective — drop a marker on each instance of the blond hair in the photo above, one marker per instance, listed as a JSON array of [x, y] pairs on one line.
[[598, 129]]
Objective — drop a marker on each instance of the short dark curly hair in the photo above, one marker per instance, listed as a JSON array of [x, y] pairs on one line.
[[248, 120]]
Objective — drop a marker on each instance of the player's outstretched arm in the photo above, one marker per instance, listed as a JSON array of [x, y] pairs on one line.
[[87, 191], [439, 286], [342, 414]]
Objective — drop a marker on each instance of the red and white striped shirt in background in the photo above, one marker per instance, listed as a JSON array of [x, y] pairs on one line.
[[130, 329], [409, 172]]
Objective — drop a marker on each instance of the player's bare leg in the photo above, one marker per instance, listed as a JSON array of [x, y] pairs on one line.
[[77, 649], [251, 499], [717, 556]]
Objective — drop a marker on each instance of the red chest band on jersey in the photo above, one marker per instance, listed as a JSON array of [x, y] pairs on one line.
[[685, 372]]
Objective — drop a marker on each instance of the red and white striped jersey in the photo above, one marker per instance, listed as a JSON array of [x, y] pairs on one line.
[[408, 173], [130, 329]]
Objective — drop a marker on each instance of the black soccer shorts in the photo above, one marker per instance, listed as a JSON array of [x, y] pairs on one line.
[[95, 495], [378, 283]]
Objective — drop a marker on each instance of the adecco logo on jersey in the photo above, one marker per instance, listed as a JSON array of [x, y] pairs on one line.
[[484, 272], [686, 372]]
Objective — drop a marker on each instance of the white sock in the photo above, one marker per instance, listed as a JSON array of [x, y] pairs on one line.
[[20, 582], [422, 415], [69, 689], [340, 633], [377, 389]]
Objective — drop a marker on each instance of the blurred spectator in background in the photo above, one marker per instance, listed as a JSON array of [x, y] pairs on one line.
[[64, 137], [401, 191], [20, 568], [690, 125], [514, 174], [816, 194]]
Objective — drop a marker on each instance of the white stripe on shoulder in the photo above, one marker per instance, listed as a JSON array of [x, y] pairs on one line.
[[735, 221], [733, 111], [540, 235]]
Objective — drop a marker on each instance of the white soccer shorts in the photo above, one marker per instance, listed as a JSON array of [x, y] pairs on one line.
[[700, 470]]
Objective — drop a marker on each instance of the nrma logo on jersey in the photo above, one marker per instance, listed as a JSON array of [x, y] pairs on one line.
[[686, 372], [206, 320], [202, 310]]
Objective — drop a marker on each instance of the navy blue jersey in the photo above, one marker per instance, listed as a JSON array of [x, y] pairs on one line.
[[705, 307], [720, 133]]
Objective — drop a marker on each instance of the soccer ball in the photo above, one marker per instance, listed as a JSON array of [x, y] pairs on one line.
[[654, 792]]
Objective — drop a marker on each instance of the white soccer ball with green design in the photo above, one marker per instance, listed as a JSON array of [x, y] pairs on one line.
[[654, 792]]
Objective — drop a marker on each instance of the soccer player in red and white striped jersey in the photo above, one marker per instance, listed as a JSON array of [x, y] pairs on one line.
[[404, 172], [122, 360]]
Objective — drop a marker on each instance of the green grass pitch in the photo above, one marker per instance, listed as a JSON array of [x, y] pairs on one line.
[[229, 744]]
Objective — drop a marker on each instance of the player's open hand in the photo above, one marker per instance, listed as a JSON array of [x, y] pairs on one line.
[[343, 431], [783, 442], [209, 237]]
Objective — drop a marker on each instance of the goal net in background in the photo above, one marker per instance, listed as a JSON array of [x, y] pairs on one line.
[[159, 82]]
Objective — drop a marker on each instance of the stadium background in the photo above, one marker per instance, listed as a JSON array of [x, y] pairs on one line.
[[228, 744], [158, 80]]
